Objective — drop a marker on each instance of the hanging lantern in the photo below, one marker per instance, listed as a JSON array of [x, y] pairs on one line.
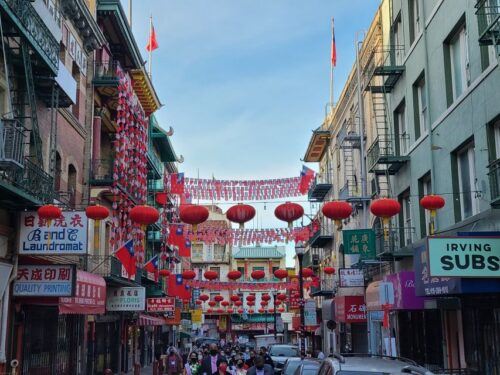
[[212, 303], [307, 272], [250, 311], [233, 275], [234, 298], [281, 309], [289, 212], [251, 303], [198, 302], [329, 270], [225, 303], [97, 212], [210, 311], [238, 303], [164, 273], [281, 297], [337, 211], [258, 275], [261, 311], [385, 208], [230, 310], [193, 214], [49, 212], [218, 298], [241, 213], [211, 275], [265, 297], [161, 198], [270, 310], [432, 203], [144, 215], [204, 297], [220, 311], [240, 311], [251, 297], [281, 274], [188, 275], [264, 303]]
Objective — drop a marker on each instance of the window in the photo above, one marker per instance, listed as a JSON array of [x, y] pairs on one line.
[[197, 252], [415, 20], [496, 135], [458, 62], [420, 106], [219, 251], [402, 132], [398, 40], [215, 269], [466, 181], [72, 184], [406, 236], [75, 108], [425, 188], [242, 270]]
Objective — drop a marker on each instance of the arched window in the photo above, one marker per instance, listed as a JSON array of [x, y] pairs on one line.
[[72, 184]]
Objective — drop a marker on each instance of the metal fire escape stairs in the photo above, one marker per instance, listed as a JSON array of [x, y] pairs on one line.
[[488, 13]]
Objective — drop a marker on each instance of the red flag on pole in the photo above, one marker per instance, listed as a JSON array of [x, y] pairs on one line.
[[152, 42], [334, 47]]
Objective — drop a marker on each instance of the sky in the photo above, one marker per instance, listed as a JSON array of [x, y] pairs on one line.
[[244, 82]]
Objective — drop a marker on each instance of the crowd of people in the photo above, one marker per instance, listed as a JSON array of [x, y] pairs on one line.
[[213, 359]]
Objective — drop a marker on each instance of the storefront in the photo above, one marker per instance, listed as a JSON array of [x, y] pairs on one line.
[[350, 315], [379, 295]]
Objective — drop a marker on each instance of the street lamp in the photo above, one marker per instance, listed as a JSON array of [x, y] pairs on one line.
[[299, 251]]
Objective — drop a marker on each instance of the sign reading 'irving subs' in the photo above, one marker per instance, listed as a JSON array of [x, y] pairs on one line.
[[464, 256]]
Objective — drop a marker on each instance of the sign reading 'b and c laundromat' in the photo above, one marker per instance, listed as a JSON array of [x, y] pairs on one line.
[[464, 256]]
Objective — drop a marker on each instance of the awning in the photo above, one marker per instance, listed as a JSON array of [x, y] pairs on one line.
[[379, 293], [89, 298], [148, 320]]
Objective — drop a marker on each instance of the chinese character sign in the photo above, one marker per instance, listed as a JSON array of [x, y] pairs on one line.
[[351, 277], [126, 299], [67, 235], [45, 280], [310, 313], [161, 304], [360, 242]]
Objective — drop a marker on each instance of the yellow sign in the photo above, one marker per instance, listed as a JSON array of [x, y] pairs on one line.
[[196, 316], [222, 323]]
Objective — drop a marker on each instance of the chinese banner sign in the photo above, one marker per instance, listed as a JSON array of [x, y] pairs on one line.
[[45, 281], [350, 309], [162, 304], [360, 242], [89, 298], [66, 235], [126, 299]]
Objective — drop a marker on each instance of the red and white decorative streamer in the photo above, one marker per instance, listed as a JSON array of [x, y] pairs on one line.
[[221, 285]]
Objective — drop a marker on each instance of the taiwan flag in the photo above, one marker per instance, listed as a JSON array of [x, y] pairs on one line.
[[177, 288], [306, 176], [177, 183], [126, 256], [152, 266]]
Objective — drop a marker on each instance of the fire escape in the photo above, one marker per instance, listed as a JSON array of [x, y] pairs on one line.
[[382, 69], [488, 13]]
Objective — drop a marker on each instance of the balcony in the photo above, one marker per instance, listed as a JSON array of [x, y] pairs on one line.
[[351, 192], [50, 14], [488, 14], [156, 185], [319, 188], [384, 151], [155, 166], [322, 237], [106, 77], [397, 245], [327, 288], [32, 27], [12, 138], [384, 68], [111, 268], [101, 173], [494, 175]]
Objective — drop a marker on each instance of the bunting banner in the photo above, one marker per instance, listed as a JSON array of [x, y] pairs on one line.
[[241, 190], [221, 285]]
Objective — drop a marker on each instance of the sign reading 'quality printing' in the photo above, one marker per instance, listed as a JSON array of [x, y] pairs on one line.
[[126, 299], [464, 256], [45, 281], [66, 235]]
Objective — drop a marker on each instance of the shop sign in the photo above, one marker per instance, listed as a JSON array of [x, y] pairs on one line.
[[350, 309], [359, 242], [310, 313], [89, 298], [404, 291], [175, 319], [287, 317], [222, 323], [351, 277], [45, 281], [249, 327], [196, 316], [464, 256], [162, 304], [66, 235], [126, 299], [294, 294]]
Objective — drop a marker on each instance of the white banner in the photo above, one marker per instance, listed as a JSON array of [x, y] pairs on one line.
[[65, 236], [126, 299], [45, 281], [351, 277], [310, 313]]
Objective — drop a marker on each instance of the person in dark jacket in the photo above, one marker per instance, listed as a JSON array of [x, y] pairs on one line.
[[260, 368], [267, 358], [209, 363]]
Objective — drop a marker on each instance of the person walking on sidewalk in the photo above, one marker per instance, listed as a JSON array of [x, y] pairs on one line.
[[174, 363], [193, 366]]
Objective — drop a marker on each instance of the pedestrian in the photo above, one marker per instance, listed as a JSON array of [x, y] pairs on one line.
[[260, 367], [174, 363], [193, 366], [250, 361], [240, 368], [222, 367], [267, 358], [209, 363], [321, 355]]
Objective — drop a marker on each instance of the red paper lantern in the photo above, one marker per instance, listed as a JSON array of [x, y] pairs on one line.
[[281, 309], [250, 297], [233, 275], [241, 213], [307, 272], [385, 208], [271, 310], [210, 310], [281, 297], [204, 297], [211, 275], [193, 214], [263, 303], [218, 298], [234, 298], [240, 311], [250, 311], [161, 198], [329, 270], [432, 202], [230, 310], [212, 303], [265, 297], [258, 274], [251, 303], [49, 212], [188, 275], [289, 212], [144, 215], [281, 274], [337, 211], [225, 303], [220, 311], [164, 273], [198, 302], [238, 303], [261, 310], [97, 212]]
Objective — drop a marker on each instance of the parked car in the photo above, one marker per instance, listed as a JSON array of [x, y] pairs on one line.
[[366, 364], [280, 353], [299, 366], [199, 342]]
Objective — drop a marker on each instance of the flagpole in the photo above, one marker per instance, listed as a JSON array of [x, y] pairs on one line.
[[150, 49], [130, 13], [331, 73]]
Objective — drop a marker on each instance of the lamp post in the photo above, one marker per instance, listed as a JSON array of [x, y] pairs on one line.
[[299, 251]]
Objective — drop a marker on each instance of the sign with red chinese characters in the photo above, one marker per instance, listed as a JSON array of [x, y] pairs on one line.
[[294, 294], [162, 304], [66, 235], [45, 281], [350, 309], [89, 298]]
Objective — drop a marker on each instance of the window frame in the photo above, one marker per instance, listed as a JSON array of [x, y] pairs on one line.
[[459, 40], [422, 110], [469, 150]]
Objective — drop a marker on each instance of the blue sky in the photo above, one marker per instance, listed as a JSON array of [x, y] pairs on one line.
[[243, 82]]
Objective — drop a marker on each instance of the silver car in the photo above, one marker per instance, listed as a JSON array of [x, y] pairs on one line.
[[361, 364]]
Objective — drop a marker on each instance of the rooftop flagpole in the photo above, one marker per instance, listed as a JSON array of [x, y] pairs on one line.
[[150, 59], [333, 62]]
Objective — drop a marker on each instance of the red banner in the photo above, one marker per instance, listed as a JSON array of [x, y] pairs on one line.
[[350, 309], [163, 304], [90, 295]]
